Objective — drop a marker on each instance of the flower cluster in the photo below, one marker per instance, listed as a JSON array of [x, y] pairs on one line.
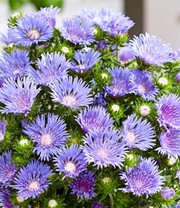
[[88, 117]]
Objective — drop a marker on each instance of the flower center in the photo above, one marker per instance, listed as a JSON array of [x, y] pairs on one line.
[[138, 184], [131, 137], [33, 34], [70, 167], [69, 100], [16, 71], [34, 186], [141, 89], [103, 153], [46, 140]]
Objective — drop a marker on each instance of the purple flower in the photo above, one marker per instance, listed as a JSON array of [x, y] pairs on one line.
[[144, 179], [70, 161], [94, 118], [121, 83], [32, 180], [175, 55], [97, 204], [167, 193], [77, 30], [71, 92], [178, 77], [51, 67], [85, 60], [18, 96], [32, 29], [83, 185], [5, 201], [49, 14], [144, 84], [178, 175], [103, 149], [14, 64], [138, 133], [99, 100], [168, 109], [151, 49], [7, 168], [48, 133], [170, 142], [126, 54], [3, 125]]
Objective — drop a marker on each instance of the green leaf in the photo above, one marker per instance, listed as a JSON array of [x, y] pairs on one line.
[[47, 3]]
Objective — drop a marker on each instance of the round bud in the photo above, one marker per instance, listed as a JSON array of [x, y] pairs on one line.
[[115, 107], [52, 203], [163, 81], [65, 49], [23, 142], [167, 193], [144, 110]]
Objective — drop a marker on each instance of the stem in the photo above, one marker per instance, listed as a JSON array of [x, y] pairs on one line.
[[111, 200]]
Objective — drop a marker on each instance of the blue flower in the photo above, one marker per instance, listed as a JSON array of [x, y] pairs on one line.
[[97, 204], [14, 64], [51, 67], [102, 148], [126, 54], [151, 49], [178, 175], [83, 185], [5, 200], [70, 161], [18, 96], [32, 29], [3, 125], [168, 109], [32, 180], [138, 133], [144, 84], [77, 30], [85, 60], [7, 168], [167, 193], [94, 118], [73, 93], [48, 133], [170, 142], [142, 180], [121, 83]]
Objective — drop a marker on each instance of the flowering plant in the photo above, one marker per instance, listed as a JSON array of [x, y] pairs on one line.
[[89, 118]]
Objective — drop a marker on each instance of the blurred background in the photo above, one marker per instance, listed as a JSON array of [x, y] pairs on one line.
[[160, 18]]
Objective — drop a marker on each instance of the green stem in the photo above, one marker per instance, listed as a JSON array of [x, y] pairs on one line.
[[111, 200]]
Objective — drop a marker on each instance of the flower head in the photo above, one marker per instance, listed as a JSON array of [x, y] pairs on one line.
[[178, 77], [178, 175], [72, 93], [151, 49], [51, 67], [103, 149], [121, 83], [5, 200], [7, 168], [137, 133], [18, 96], [170, 142], [3, 125], [144, 179], [77, 30], [97, 204], [126, 54], [14, 64], [32, 180], [48, 133], [85, 60], [167, 193], [70, 161], [168, 109], [144, 84], [32, 29], [94, 118], [83, 185]]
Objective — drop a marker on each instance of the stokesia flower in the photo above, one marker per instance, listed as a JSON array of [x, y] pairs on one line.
[[7, 168], [178, 175], [138, 133], [71, 92], [32, 29], [14, 64], [77, 30], [51, 67], [5, 200], [168, 109], [144, 84], [48, 133], [167, 193], [94, 118], [125, 54], [97, 204], [83, 185], [143, 179], [121, 83], [70, 161], [85, 60], [3, 125], [18, 96], [32, 180], [170, 142], [103, 149], [151, 49]]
